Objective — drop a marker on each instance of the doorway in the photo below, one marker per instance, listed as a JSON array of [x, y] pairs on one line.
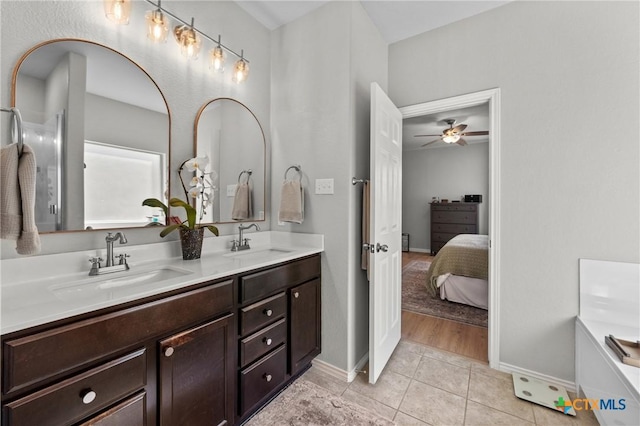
[[492, 99]]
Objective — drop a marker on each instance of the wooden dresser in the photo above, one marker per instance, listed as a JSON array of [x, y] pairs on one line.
[[451, 219]]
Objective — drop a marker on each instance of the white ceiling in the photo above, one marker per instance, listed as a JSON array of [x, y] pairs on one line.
[[395, 19]]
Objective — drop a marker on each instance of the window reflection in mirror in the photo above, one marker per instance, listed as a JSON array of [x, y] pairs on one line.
[[231, 136], [99, 126]]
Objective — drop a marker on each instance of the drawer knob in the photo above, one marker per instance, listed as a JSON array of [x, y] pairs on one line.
[[267, 341], [268, 377], [296, 294], [168, 351], [268, 312], [88, 396]]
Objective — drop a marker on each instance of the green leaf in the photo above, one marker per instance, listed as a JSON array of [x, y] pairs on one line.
[[166, 231], [154, 202], [213, 230], [191, 212]]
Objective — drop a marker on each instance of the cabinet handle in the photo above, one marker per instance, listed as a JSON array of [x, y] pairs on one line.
[[88, 396], [296, 294], [267, 341], [168, 351], [268, 312], [268, 377]]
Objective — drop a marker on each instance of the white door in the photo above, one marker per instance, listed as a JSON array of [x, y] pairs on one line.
[[385, 279]]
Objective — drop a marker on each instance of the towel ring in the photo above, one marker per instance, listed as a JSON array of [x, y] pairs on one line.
[[248, 172], [297, 168], [17, 128]]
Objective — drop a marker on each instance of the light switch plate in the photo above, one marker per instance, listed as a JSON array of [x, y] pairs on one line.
[[324, 186], [231, 190]]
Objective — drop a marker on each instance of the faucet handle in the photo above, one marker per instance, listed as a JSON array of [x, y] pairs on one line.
[[96, 261], [123, 258]]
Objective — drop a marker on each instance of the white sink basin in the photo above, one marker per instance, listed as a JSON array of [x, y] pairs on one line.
[[116, 282], [257, 254]]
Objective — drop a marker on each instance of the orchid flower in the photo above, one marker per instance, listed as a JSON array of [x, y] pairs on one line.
[[197, 163]]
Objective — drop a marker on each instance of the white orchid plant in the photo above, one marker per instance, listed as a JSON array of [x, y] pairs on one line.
[[201, 190]]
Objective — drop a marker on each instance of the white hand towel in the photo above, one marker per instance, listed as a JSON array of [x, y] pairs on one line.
[[18, 198], [242, 208], [291, 202]]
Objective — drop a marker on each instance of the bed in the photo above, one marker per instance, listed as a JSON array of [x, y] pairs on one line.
[[459, 272]]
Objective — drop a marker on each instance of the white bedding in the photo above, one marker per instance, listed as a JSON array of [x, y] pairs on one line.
[[466, 290]]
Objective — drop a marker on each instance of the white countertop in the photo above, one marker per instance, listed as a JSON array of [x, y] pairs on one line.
[[41, 289]]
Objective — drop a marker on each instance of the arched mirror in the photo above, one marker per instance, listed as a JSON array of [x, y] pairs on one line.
[[231, 136], [99, 127]]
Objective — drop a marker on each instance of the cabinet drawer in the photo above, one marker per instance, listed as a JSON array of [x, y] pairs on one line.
[[259, 314], [453, 207], [451, 228], [258, 344], [438, 237], [37, 357], [259, 379], [454, 217], [130, 412], [261, 284], [65, 402]]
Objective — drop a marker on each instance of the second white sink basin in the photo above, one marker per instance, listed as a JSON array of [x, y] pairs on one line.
[[256, 254], [110, 283]]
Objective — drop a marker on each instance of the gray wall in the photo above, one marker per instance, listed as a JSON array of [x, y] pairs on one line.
[[569, 78], [444, 172], [323, 64], [186, 85]]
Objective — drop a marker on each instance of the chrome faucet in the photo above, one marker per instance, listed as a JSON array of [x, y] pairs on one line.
[[96, 267], [110, 239], [243, 243]]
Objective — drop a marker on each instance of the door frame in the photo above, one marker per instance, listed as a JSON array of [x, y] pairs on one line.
[[492, 96]]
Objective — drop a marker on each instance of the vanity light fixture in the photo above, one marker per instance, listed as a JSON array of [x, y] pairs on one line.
[[118, 11], [217, 57], [188, 39], [157, 25], [240, 69]]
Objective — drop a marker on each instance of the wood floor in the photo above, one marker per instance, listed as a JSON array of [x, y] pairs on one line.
[[451, 336]]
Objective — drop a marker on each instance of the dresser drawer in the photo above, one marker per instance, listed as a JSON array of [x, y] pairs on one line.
[[439, 237], [454, 207], [452, 228], [265, 283], [41, 356], [259, 314], [259, 379], [258, 344], [454, 217], [69, 401]]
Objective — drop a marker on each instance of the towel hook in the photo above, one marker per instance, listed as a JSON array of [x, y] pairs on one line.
[[248, 172], [296, 167], [355, 181], [16, 128]]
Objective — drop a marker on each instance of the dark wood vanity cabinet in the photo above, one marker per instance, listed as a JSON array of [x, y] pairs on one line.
[[210, 354]]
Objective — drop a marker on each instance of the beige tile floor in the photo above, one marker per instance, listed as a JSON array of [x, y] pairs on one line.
[[427, 386]]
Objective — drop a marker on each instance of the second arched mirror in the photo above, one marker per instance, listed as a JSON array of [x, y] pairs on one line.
[[231, 136]]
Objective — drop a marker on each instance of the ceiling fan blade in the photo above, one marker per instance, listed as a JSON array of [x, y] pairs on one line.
[[433, 141], [459, 128], [419, 136], [462, 142], [479, 133]]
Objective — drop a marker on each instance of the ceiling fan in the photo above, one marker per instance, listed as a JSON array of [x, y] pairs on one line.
[[454, 134]]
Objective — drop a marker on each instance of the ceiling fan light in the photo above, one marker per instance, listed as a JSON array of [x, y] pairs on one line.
[[451, 138]]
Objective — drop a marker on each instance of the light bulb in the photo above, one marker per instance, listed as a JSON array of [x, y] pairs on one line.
[[188, 40], [117, 11], [217, 59], [240, 71], [451, 138], [157, 28]]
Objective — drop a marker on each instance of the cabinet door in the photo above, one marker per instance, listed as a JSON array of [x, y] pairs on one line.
[[304, 329], [196, 379]]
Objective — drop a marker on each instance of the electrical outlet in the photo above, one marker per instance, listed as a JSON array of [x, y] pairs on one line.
[[231, 190], [324, 186]]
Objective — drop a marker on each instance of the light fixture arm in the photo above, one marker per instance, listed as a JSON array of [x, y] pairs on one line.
[[241, 56]]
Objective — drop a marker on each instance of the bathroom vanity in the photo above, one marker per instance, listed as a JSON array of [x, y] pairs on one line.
[[209, 347]]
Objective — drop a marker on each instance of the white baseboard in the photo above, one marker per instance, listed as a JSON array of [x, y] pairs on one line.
[[508, 368], [339, 373], [420, 250]]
